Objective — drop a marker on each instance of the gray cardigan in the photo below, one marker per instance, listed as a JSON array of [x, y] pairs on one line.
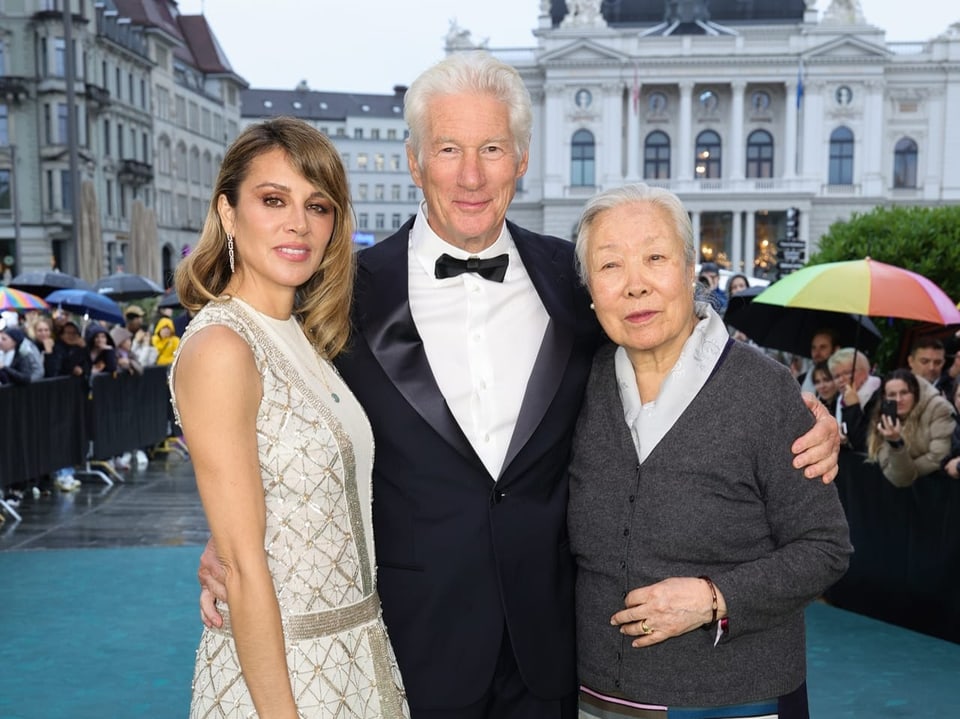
[[718, 496]]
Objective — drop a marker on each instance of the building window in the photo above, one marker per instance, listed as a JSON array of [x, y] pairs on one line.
[[656, 156], [106, 137], [207, 169], [182, 165], [4, 126], [120, 152], [143, 94], [362, 192], [63, 115], [163, 156], [391, 134], [905, 163], [582, 159], [145, 146], [375, 134], [117, 83], [5, 202], [395, 221], [358, 133], [708, 165], [194, 165], [361, 161], [379, 221], [3, 60], [395, 193], [412, 194], [363, 220], [841, 156], [378, 193], [163, 103], [59, 57], [130, 93], [378, 162], [394, 162], [760, 154], [66, 191]]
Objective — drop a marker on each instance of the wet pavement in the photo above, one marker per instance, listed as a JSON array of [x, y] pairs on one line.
[[158, 506]]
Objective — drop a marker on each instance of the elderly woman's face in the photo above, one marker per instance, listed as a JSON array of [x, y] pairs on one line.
[[641, 285]]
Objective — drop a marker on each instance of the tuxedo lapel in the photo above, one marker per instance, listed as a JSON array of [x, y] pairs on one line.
[[385, 321], [551, 275]]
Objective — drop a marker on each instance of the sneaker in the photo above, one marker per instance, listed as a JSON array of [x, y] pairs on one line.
[[123, 461], [12, 502], [36, 492], [142, 459]]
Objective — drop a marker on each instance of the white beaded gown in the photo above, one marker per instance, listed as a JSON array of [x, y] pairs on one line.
[[316, 456]]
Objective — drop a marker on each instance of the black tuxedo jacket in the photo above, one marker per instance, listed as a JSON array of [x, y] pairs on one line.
[[459, 556]]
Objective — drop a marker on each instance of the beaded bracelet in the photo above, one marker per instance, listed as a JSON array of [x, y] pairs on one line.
[[713, 591]]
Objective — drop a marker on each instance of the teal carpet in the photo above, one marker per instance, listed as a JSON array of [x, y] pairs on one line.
[[98, 633], [111, 634]]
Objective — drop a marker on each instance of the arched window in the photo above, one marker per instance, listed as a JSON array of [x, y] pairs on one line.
[[195, 164], [760, 154], [163, 155], [841, 156], [656, 156], [707, 161], [181, 161], [905, 163], [207, 169], [582, 159]]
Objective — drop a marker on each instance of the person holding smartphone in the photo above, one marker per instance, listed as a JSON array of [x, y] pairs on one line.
[[912, 428]]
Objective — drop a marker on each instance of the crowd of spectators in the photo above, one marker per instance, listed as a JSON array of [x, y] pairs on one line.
[[917, 438], [36, 345]]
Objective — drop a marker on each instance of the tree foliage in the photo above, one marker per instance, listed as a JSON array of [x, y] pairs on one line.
[[923, 240]]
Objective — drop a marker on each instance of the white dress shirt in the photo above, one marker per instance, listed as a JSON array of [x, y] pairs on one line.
[[481, 337]]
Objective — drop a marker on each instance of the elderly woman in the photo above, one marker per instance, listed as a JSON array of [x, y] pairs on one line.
[[685, 510], [916, 440]]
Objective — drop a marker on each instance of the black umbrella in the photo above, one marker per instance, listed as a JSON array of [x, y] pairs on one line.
[[43, 282], [790, 329], [170, 299], [123, 286]]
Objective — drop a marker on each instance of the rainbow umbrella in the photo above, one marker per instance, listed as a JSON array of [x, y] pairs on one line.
[[864, 287], [11, 299]]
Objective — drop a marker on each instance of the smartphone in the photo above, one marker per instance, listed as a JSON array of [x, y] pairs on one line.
[[888, 407]]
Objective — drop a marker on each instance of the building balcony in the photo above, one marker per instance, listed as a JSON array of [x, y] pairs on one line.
[[13, 89], [134, 172], [100, 96]]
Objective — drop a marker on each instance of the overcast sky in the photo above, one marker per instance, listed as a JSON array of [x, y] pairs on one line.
[[372, 45]]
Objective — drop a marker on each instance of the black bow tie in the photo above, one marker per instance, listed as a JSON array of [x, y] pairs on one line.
[[492, 269]]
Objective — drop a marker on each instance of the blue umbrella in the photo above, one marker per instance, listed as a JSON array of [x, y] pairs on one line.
[[84, 302]]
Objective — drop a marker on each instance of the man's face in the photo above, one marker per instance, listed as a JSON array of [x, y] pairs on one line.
[[821, 347], [470, 169], [927, 362]]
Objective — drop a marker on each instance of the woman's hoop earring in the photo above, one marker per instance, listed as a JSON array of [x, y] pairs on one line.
[[230, 253]]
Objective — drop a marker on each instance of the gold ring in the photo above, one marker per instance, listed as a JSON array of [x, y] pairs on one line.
[[644, 628]]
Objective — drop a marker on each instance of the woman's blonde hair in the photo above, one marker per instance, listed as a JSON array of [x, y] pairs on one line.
[[322, 303]]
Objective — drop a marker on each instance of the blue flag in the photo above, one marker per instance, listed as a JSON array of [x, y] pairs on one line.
[[799, 83]]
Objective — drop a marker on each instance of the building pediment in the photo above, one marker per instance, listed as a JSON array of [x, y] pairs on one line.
[[846, 48], [583, 52]]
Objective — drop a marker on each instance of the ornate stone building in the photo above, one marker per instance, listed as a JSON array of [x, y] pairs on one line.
[[745, 110], [155, 102]]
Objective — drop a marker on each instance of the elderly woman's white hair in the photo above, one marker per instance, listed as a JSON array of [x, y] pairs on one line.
[[628, 195], [468, 72]]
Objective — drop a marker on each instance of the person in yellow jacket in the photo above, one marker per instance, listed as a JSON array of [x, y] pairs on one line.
[[165, 341]]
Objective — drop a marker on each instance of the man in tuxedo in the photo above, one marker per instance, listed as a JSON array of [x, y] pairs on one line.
[[472, 345]]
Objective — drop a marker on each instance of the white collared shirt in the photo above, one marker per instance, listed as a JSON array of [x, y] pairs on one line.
[[481, 338]]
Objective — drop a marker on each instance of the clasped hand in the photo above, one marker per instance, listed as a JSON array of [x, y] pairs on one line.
[[666, 609]]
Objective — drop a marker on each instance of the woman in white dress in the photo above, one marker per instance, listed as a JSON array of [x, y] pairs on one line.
[[281, 449]]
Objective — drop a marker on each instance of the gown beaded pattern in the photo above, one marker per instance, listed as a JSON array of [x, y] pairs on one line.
[[318, 537]]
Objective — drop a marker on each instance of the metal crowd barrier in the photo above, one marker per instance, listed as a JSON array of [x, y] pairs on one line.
[[905, 569], [64, 422]]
